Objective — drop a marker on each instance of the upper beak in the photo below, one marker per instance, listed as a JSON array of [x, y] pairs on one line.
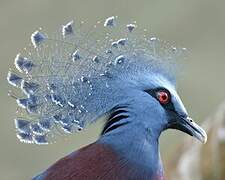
[[186, 124]]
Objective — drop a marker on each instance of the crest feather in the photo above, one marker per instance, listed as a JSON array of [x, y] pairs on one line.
[[70, 79]]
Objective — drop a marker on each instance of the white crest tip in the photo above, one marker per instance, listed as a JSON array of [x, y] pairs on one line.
[[109, 22], [131, 27], [36, 38], [67, 29]]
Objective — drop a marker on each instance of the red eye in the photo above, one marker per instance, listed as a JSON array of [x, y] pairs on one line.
[[163, 97]]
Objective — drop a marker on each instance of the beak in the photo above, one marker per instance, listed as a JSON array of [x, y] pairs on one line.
[[187, 125]]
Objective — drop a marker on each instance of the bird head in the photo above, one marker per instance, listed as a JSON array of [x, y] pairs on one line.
[[167, 105], [67, 85]]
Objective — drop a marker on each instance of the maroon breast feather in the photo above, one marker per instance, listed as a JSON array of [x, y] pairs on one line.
[[96, 161]]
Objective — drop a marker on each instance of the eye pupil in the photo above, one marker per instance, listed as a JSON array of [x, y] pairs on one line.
[[164, 97]]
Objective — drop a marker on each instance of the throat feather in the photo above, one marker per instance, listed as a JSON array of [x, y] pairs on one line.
[[115, 119]]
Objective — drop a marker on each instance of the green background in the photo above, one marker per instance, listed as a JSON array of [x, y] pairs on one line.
[[198, 25]]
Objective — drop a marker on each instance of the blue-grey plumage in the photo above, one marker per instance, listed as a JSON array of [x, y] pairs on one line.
[[129, 140], [74, 79]]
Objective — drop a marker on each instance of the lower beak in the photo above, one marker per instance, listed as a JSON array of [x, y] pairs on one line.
[[188, 126]]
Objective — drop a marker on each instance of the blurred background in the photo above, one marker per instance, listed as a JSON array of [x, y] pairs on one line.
[[197, 25]]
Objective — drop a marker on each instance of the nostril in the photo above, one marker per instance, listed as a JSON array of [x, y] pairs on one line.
[[191, 120]]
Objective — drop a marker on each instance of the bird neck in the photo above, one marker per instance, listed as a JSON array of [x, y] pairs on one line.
[[133, 129], [140, 148]]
